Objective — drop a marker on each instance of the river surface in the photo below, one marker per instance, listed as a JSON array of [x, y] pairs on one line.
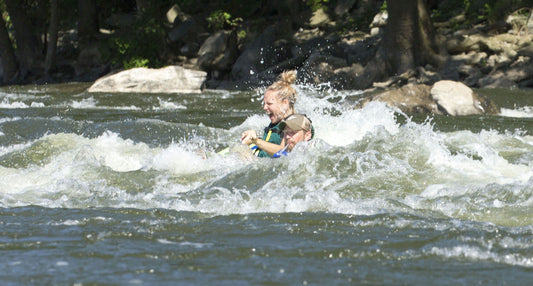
[[128, 189]]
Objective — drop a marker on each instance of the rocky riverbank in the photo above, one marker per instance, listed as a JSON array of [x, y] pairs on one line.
[[484, 56], [324, 51], [497, 56]]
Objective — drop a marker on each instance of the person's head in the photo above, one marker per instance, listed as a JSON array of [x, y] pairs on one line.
[[296, 128], [280, 97]]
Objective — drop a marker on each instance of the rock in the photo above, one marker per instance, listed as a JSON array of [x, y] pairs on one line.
[[409, 98], [361, 51], [379, 21], [471, 75], [319, 68], [471, 58], [218, 52], [458, 99], [344, 77], [526, 50], [530, 24], [256, 56], [320, 19], [190, 49], [499, 61], [173, 14], [188, 31], [178, 32], [444, 97], [343, 7], [465, 44], [497, 80], [427, 76], [519, 71], [520, 22], [170, 79]]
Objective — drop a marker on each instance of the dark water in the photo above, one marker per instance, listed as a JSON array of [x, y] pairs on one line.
[[114, 189]]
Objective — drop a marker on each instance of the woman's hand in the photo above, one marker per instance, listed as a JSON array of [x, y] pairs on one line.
[[248, 137]]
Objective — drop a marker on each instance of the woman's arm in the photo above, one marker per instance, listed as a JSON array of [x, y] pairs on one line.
[[268, 147], [250, 136]]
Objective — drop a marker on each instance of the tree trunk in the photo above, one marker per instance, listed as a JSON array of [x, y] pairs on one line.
[[88, 23], [52, 38], [28, 46], [7, 53], [409, 41]]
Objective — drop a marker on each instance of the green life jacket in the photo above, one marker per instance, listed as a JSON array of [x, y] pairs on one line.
[[271, 134]]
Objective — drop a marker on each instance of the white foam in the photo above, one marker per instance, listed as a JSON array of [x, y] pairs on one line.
[[476, 253], [37, 105], [12, 104], [83, 103], [119, 154], [521, 112], [166, 104], [92, 103], [179, 160], [365, 164]]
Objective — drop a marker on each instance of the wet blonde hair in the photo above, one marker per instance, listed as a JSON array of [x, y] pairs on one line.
[[283, 87]]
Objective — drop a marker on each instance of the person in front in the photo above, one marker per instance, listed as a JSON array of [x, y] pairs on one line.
[[278, 103], [296, 128]]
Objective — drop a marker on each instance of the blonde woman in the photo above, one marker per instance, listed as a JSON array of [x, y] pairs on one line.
[[278, 103]]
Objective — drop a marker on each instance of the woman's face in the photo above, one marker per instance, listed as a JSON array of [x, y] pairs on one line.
[[275, 108]]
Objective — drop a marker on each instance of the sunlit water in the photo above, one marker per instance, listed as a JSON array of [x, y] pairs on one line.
[[129, 189]]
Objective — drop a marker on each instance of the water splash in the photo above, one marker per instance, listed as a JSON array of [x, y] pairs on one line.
[[365, 161]]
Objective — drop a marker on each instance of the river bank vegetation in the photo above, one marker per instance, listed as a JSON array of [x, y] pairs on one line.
[[355, 44]]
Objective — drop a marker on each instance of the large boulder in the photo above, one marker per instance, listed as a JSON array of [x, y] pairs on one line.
[[455, 98], [410, 98], [185, 33], [320, 68], [218, 52], [444, 97], [267, 55], [170, 79]]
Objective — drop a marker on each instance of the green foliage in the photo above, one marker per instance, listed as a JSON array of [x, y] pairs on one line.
[[490, 11], [7, 19], [383, 7], [139, 46], [467, 4], [219, 19], [477, 11], [498, 11], [487, 11], [317, 4], [135, 62], [241, 34], [9, 26]]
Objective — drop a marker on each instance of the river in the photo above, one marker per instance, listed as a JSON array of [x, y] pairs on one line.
[[128, 189]]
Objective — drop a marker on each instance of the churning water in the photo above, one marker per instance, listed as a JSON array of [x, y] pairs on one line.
[[129, 189]]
